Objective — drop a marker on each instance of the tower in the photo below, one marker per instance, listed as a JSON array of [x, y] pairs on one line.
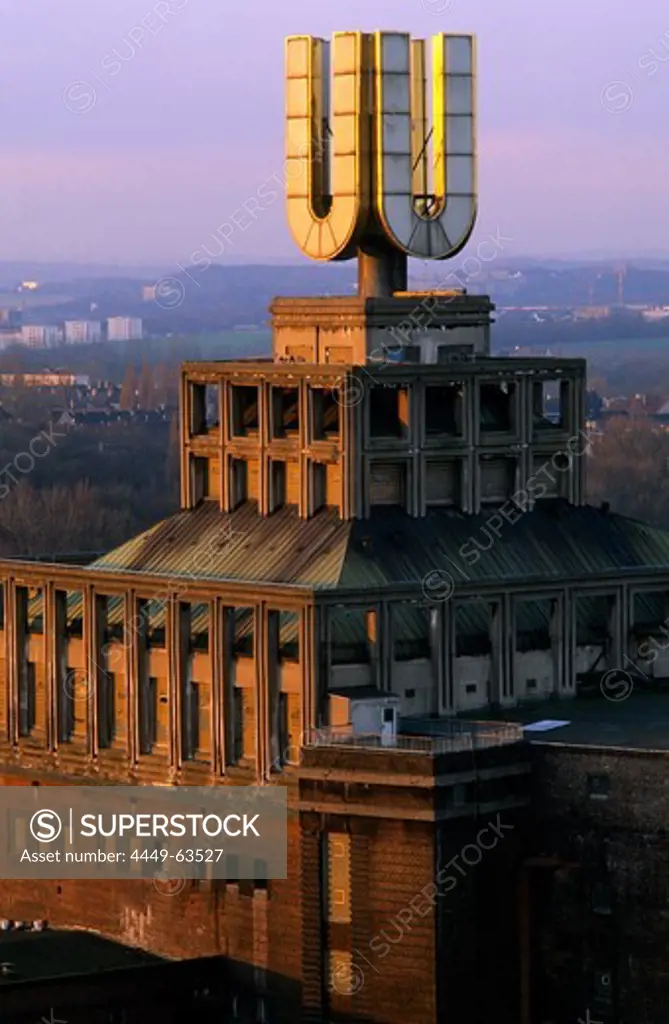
[[382, 529]]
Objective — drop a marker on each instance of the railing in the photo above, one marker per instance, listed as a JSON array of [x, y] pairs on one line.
[[453, 737]]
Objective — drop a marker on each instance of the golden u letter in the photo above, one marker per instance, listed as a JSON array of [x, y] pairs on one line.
[[381, 140]]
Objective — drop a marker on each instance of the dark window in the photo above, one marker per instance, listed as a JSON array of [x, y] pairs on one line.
[[239, 723], [106, 709], [66, 704], [27, 698], [285, 412], [199, 479], [601, 898], [603, 986], [149, 715], [497, 407], [409, 694], [531, 684], [238, 482], [212, 403], [443, 410], [277, 485], [389, 412], [550, 403], [599, 786], [471, 688], [326, 414], [245, 416], [192, 723]]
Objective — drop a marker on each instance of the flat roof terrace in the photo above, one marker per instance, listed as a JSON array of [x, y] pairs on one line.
[[627, 718]]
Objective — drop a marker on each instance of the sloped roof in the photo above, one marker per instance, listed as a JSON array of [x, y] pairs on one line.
[[555, 541]]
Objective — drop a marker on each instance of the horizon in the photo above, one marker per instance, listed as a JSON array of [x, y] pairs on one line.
[[128, 140]]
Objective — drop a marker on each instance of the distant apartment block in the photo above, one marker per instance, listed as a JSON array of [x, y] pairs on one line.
[[10, 320], [41, 335], [45, 380], [124, 328], [82, 332]]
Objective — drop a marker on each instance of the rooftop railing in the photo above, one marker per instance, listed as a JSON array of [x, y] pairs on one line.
[[452, 738]]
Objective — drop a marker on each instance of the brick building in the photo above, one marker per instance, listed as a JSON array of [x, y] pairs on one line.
[[382, 529]]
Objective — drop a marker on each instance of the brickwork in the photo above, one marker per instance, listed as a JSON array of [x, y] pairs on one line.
[[602, 915]]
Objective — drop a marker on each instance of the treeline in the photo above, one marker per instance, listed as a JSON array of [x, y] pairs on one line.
[[92, 489], [629, 468]]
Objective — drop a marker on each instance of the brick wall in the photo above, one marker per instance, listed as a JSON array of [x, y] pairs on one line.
[[605, 910]]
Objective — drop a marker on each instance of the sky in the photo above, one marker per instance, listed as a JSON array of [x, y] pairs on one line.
[[132, 129]]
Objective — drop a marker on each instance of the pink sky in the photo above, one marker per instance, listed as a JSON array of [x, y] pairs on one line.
[[133, 129]]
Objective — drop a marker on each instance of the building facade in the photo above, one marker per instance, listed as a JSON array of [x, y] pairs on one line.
[[383, 530], [124, 328], [82, 332]]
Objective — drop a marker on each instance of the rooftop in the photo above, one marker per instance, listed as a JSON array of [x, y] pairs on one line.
[[639, 722], [50, 954], [554, 542], [447, 737]]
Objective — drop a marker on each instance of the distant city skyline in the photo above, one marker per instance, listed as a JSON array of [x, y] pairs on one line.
[[132, 132]]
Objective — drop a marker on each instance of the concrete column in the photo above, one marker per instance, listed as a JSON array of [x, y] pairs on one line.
[[314, 659], [92, 646], [449, 696], [264, 426], [20, 652], [132, 658], [374, 629], [272, 686], [508, 648], [499, 646], [618, 629], [11, 660], [568, 645], [260, 663], [60, 681], [184, 431], [435, 614]]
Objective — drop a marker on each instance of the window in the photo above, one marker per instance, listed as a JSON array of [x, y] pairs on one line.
[[238, 482], [238, 712], [497, 407], [106, 709], [245, 413], [389, 412], [27, 698], [599, 787], [67, 690], [325, 414], [471, 688], [191, 725], [320, 478], [199, 479], [285, 412], [277, 485], [531, 684], [454, 353], [550, 400], [338, 877], [601, 898], [443, 410], [603, 986], [148, 714]]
